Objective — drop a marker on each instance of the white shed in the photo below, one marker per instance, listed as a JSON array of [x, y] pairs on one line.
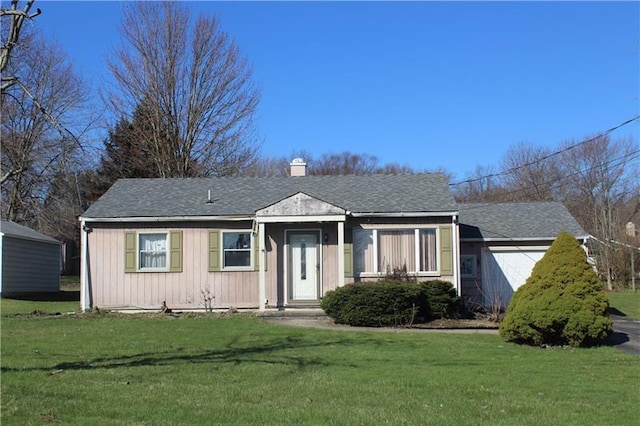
[[30, 261]]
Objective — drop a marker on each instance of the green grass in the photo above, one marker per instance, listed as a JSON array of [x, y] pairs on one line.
[[625, 303], [117, 369], [63, 301], [70, 282]]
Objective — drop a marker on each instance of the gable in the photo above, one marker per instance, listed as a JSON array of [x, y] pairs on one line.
[[300, 204]]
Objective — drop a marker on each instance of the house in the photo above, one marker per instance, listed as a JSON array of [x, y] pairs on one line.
[[29, 261], [265, 243], [261, 242], [501, 242]]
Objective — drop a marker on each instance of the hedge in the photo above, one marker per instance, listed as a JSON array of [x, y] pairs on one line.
[[388, 303]]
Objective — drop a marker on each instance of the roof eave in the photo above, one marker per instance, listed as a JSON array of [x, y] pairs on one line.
[[404, 214], [167, 218], [523, 239]]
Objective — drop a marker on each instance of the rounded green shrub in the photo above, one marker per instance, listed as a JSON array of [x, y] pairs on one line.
[[375, 304], [388, 303], [561, 303], [441, 298]]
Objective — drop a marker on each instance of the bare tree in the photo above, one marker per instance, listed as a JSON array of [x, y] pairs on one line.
[[600, 187], [33, 149], [268, 167], [482, 185], [530, 173], [196, 88], [16, 18], [345, 163]]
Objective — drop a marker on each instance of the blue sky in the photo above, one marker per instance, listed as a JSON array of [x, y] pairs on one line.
[[428, 84]]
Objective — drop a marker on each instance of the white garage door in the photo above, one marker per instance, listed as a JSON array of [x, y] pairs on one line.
[[504, 271]]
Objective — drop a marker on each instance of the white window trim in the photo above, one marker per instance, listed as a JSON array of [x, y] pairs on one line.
[[416, 242], [251, 250], [166, 252]]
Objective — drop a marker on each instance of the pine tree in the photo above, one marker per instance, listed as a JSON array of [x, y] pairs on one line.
[[561, 303]]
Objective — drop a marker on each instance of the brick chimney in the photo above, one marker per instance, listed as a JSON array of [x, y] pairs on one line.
[[298, 167]]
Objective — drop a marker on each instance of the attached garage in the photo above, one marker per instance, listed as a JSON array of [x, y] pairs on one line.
[[501, 242], [30, 261], [504, 270]]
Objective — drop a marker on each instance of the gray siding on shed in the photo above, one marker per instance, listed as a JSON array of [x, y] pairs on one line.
[[29, 266]]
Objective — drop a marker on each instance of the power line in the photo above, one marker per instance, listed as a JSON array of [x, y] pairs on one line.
[[546, 157], [607, 165]]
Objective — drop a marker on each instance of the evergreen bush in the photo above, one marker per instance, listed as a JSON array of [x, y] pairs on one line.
[[561, 303], [388, 303], [374, 304], [441, 297]]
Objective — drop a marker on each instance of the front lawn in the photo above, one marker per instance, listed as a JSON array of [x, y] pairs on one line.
[[199, 369], [626, 303]]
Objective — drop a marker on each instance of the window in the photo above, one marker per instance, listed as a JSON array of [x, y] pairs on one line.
[[378, 251], [152, 251], [236, 249], [468, 265], [148, 251], [396, 249]]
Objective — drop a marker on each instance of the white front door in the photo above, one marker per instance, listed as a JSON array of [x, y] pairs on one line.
[[304, 266]]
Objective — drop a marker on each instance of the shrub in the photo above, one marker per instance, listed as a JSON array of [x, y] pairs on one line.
[[561, 303], [389, 303], [441, 298], [376, 304]]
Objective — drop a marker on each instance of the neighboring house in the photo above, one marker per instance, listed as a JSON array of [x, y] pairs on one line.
[[262, 242], [266, 243], [30, 261], [501, 242]]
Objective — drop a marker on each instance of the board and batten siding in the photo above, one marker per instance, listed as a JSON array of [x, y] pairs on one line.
[[113, 288], [29, 266]]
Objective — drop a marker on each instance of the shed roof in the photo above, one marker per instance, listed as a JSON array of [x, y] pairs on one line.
[[12, 229], [517, 221], [370, 194]]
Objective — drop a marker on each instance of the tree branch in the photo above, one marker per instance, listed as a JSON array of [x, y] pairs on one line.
[[10, 174]]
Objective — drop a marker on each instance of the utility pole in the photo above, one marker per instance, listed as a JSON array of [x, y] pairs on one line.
[[631, 231]]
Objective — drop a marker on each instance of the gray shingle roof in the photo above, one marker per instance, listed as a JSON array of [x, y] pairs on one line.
[[427, 192], [506, 221], [12, 229]]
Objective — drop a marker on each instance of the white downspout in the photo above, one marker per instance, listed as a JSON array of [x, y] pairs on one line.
[[340, 254], [456, 254], [262, 276], [84, 267]]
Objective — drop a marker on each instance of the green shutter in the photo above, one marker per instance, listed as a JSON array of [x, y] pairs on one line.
[[256, 252], [214, 251], [348, 253], [175, 252], [130, 252], [348, 259], [446, 250]]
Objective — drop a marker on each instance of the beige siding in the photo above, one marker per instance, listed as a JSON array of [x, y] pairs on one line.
[[112, 288]]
